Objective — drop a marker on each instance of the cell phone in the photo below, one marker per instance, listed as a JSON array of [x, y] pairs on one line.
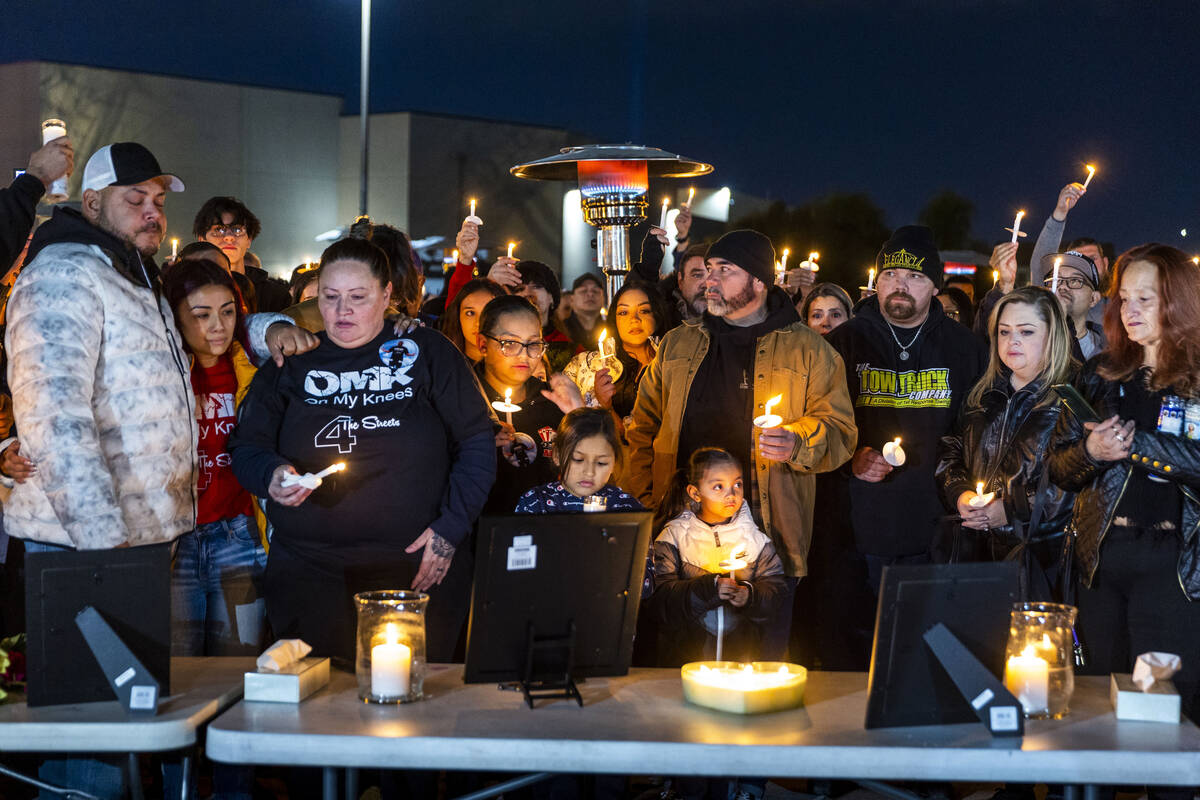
[[1073, 400]]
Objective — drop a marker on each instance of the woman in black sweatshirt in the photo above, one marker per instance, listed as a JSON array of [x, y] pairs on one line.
[[406, 417]]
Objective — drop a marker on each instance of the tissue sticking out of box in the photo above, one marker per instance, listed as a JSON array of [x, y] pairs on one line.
[[1152, 667], [283, 653]]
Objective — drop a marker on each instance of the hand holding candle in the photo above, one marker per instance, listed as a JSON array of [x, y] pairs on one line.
[[310, 481], [980, 499], [811, 264], [767, 419]]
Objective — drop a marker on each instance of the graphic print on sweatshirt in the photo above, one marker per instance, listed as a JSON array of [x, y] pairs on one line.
[[215, 418], [887, 388], [357, 390]]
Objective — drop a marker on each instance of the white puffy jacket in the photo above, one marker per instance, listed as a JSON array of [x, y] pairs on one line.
[[103, 404]]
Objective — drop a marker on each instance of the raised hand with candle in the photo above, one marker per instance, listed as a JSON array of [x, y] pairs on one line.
[[1067, 198]]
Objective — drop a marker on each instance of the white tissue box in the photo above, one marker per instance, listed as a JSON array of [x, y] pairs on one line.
[[1159, 704], [290, 684]]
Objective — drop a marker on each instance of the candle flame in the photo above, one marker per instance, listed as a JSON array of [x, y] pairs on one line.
[[666, 203], [454, 255], [979, 488], [508, 395], [813, 256], [995, 275], [691, 194], [896, 441], [339, 466], [1091, 170], [603, 335], [391, 634], [1029, 652], [774, 401], [1046, 644], [511, 246], [1196, 260]]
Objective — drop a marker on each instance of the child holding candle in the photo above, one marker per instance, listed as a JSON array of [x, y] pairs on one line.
[[703, 520], [1001, 439]]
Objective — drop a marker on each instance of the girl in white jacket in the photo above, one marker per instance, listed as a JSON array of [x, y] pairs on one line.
[[713, 567]]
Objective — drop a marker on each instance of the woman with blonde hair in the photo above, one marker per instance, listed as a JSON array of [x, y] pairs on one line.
[[1001, 438]]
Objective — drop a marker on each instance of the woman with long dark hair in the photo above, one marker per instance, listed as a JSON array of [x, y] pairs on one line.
[[1137, 472], [460, 322], [1001, 437], [216, 576]]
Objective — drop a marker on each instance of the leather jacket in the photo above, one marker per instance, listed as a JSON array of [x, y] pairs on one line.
[[1002, 443], [1101, 484]]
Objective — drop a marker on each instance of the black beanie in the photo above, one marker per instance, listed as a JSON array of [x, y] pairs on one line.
[[750, 250], [912, 247]]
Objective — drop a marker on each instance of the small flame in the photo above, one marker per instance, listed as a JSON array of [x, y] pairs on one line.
[[603, 335], [391, 634], [896, 441], [454, 255], [511, 246], [979, 488], [691, 194], [774, 401], [739, 553], [995, 275], [472, 206], [1029, 652], [666, 203], [814, 255], [783, 261], [1091, 170], [508, 395]]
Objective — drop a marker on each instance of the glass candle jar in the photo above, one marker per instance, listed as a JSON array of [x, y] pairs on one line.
[[390, 657], [1039, 666]]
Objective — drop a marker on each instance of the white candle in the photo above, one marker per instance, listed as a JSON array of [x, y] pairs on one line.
[[1028, 677], [1054, 278], [812, 261], [1091, 171], [332, 468], [174, 249], [391, 666], [54, 129], [783, 261], [995, 277], [662, 222], [508, 402], [511, 246], [1016, 228], [871, 279], [606, 346], [472, 206], [767, 419], [893, 453], [980, 499], [691, 194]]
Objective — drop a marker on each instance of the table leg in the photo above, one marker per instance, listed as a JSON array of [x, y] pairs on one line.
[[329, 781], [351, 783], [135, 778], [1087, 791], [185, 768]]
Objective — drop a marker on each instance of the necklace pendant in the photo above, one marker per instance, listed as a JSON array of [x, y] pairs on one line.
[[904, 355]]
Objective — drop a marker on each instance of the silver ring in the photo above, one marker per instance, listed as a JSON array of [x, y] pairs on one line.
[[1120, 438]]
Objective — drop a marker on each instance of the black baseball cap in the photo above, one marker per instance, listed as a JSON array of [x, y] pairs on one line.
[[125, 164]]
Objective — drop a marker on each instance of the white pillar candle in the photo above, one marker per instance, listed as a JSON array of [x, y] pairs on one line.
[[662, 222], [871, 279], [174, 249], [691, 194], [1016, 228], [391, 666], [472, 206], [511, 246], [1028, 677], [1054, 278]]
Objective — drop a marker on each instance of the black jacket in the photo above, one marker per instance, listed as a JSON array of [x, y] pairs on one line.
[[1003, 443], [18, 205], [916, 399], [1101, 484]]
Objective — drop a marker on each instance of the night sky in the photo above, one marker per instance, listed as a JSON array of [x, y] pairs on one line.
[[1000, 101]]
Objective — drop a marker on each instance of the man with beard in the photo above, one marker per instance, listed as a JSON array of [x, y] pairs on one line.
[[909, 367], [714, 374]]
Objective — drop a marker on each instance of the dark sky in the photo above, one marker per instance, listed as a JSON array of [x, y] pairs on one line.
[[1002, 101]]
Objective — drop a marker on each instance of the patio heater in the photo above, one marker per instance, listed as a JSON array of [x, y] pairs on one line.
[[613, 181]]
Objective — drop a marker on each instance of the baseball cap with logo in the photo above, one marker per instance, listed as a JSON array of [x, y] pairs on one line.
[[125, 164], [1077, 261]]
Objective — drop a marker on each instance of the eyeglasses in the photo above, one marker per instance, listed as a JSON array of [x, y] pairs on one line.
[[1070, 283], [511, 347], [221, 231]]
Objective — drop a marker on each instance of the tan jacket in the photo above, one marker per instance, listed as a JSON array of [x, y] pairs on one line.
[[793, 361]]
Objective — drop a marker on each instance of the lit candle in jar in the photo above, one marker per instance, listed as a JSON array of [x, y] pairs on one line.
[[767, 419], [391, 665], [1028, 677], [662, 221], [893, 453], [1091, 172], [1054, 277]]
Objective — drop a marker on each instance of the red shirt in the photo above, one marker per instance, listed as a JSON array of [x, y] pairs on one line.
[[221, 496]]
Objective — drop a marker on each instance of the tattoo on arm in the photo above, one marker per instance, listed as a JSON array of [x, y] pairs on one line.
[[442, 548]]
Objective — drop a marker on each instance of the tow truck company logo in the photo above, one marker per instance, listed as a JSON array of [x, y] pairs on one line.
[[927, 388], [902, 259]]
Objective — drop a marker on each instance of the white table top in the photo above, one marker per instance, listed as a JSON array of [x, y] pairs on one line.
[[203, 687], [639, 723]]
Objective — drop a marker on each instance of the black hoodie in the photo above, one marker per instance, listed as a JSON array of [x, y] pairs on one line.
[[720, 405], [18, 208], [68, 225], [916, 399]]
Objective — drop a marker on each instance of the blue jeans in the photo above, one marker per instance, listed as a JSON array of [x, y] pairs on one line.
[[217, 606]]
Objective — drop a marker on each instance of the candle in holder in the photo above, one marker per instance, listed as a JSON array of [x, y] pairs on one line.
[[391, 665], [811, 264], [310, 481], [1091, 173], [606, 346], [1028, 677], [767, 419], [893, 453], [506, 405], [736, 561], [1016, 228], [1054, 277], [662, 221], [980, 499], [511, 246]]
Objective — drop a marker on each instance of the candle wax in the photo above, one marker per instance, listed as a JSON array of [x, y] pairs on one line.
[[1028, 677], [391, 669]]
